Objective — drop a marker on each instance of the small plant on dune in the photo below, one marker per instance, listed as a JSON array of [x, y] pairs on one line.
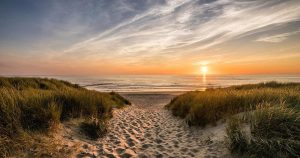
[[55, 114], [236, 135], [94, 128]]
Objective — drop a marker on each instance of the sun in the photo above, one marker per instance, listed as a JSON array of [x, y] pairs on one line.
[[204, 69]]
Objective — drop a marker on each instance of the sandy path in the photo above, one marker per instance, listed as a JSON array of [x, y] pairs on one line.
[[145, 129]]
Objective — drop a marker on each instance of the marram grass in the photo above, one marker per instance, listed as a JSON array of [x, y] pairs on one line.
[[274, 132], [29, 105], [93, 128], [270, 110], [201, 108]]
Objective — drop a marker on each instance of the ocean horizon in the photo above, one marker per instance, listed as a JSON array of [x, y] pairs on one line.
[[167, 83]]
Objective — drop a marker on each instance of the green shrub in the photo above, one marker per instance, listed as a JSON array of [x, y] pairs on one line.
[[94, 128]]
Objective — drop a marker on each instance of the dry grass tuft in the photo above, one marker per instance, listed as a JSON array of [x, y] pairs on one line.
[[35, 105]]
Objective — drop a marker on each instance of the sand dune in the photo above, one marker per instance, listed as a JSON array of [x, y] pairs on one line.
[[146, 129]]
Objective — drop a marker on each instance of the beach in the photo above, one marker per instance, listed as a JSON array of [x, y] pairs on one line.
[[82, 123], [150, 79], [145, 129]]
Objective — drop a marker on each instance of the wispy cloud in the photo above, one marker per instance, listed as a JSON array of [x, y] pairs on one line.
[[133, 33], [184, 25], [277, 38]]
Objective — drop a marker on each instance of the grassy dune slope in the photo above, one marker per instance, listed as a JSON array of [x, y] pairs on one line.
[[34, 105], [271, 110]]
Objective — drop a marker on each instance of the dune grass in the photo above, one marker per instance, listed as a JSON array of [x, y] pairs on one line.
[[202, 108], [274, 132], [29, 105], [270, 110], [93, 128]]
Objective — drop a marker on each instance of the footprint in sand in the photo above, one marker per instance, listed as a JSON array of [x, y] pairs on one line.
[[146, 129]]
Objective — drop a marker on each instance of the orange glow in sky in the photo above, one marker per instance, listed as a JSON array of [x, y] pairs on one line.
[[150, 37]]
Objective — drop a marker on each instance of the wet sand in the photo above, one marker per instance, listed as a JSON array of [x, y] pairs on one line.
[[146, 129]]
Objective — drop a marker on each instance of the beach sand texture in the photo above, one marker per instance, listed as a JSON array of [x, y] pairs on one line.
[[146, 129]]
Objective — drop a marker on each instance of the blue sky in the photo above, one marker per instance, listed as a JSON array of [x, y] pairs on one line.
[[141, 36]]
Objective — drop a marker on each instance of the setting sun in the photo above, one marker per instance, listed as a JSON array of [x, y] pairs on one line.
[[99, 74], [204, 69]]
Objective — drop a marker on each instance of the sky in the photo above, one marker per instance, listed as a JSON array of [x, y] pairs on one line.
[[94, 37]]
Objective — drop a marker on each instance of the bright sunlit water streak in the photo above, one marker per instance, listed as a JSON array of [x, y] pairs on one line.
[[168, 83], [204, 78]]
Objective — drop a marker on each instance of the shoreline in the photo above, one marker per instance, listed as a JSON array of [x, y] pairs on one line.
[[154, 93]]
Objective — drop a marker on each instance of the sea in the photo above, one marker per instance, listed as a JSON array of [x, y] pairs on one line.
[[169, 83]]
